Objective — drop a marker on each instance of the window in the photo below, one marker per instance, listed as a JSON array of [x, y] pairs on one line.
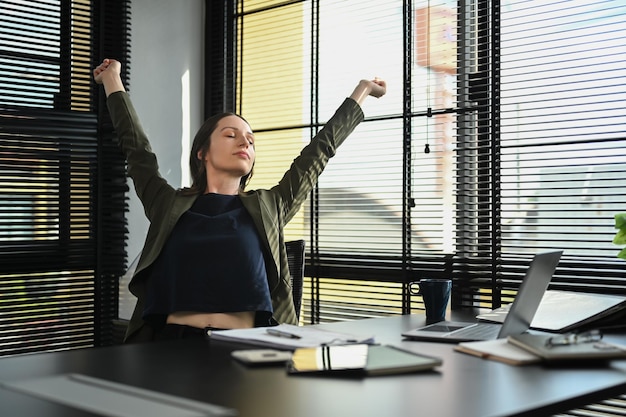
[[501, 136], [540, 160], [562, 111], [55, 276]]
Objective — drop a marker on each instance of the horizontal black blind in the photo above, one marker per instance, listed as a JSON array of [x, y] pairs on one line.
[[50, 268], [358, 226], [542, 145]]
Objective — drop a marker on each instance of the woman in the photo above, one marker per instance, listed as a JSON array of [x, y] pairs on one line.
[[214, 256]]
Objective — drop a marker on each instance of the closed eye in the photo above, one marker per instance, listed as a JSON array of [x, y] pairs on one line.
[[231, 132]]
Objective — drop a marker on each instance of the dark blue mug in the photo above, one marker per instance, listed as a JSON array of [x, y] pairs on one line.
[[436, 294]]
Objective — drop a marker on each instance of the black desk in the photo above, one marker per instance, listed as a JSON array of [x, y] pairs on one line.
[[201, 370]]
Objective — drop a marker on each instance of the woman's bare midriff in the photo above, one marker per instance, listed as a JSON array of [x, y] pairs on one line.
[[238, 320]]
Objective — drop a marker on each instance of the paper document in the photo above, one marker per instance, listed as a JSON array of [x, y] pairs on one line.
[[289, 336]]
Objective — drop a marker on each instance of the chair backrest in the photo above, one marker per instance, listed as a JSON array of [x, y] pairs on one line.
[[295, 256]]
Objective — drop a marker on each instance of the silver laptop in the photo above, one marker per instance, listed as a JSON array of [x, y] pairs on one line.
[[518, 319]]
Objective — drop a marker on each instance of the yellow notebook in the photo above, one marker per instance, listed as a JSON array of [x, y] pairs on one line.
[[498, 350]]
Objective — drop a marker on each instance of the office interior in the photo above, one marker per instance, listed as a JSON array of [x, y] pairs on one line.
[[65, 256], [63, 286]]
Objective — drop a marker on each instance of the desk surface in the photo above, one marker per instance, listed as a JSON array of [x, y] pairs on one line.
[[203, 371]]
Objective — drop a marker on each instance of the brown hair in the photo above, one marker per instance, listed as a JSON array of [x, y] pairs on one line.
[[201, 143]]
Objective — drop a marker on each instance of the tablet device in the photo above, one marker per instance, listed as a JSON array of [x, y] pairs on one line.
[[359, 359]]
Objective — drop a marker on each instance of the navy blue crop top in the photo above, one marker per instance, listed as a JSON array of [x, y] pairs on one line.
[[211, 263]]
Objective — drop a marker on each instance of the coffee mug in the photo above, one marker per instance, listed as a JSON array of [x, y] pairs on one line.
[[436, 294]]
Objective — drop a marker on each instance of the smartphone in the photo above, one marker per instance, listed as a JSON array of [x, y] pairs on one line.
[[262, 356]]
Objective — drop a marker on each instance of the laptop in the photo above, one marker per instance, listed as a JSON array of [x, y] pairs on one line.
[[518, 319]]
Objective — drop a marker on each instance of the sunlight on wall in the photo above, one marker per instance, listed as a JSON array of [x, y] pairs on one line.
[[185, 176]]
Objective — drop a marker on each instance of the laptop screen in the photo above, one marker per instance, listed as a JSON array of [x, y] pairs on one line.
[[530, 293]]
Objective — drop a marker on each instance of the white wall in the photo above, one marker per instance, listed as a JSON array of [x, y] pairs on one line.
[[166, 87]]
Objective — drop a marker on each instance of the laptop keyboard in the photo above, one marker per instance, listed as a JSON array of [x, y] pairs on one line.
[[479, 331]]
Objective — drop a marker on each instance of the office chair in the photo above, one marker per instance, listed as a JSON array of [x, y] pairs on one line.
[[295, 257]]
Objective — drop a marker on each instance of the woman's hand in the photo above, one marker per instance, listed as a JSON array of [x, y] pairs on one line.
[[375, 88], [108, 74], [378, 87], [109, 65]]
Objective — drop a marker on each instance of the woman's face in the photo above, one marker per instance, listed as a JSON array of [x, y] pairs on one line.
[[232, 148]]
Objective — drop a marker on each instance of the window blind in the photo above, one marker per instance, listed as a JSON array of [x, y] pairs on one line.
[[501, 136], [55, 265], [547, 169], [297, 62]]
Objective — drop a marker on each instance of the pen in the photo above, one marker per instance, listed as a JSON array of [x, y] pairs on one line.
[[279, 333]]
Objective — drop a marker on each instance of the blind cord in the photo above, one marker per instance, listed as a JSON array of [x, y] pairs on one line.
[[429, 111]]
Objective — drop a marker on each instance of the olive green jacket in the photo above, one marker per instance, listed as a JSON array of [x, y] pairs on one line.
[[270, 209]]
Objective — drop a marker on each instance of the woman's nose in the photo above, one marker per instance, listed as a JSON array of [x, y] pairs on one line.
[[244, 142]]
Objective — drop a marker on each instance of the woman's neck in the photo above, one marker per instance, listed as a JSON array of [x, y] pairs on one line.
[[225, 186]]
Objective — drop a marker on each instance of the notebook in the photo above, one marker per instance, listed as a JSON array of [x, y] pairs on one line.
[[359, 360], [518, 319]]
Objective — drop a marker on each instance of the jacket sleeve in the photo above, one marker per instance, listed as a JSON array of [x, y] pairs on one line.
[[302, 176], [151, 188]]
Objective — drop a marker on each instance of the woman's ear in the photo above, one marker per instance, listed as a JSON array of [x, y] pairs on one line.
[[200, 155]]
